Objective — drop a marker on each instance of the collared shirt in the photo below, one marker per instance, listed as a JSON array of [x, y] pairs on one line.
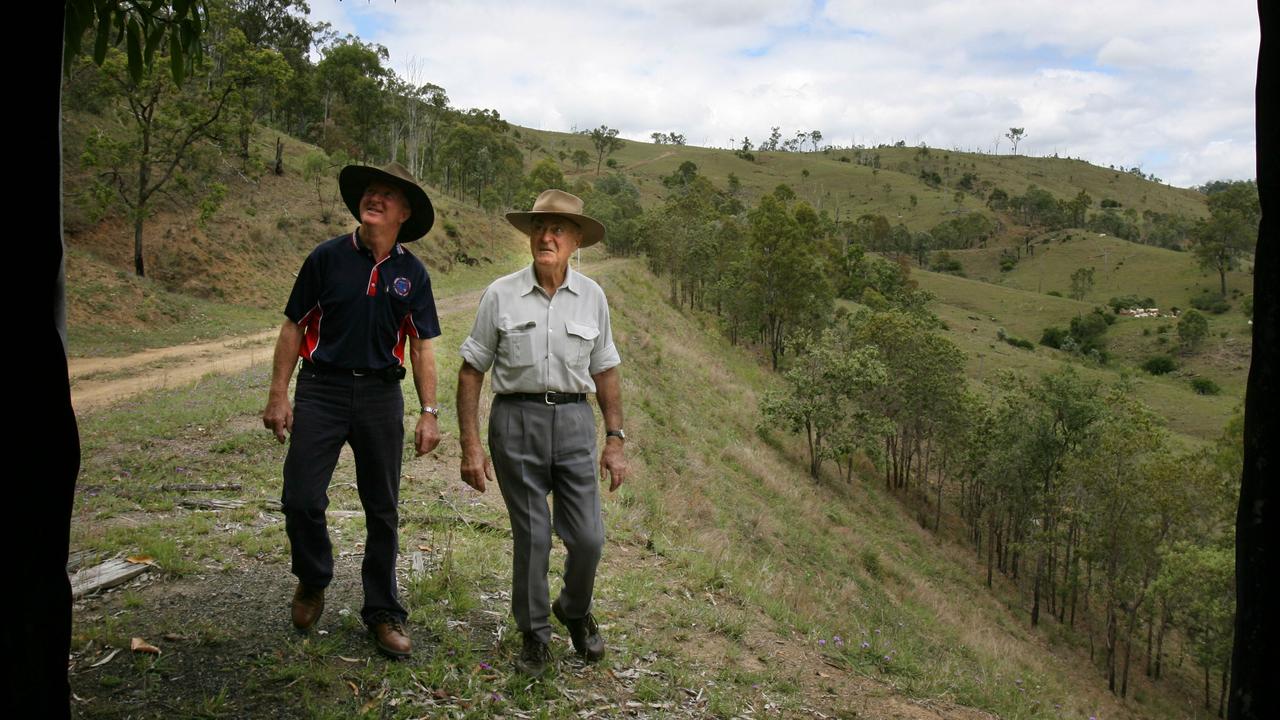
[[536, 343], [357, 312]]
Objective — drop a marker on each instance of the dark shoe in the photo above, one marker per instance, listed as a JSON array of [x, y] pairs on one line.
[[308, 603], [534, 656], [391, 638], [584, 633]]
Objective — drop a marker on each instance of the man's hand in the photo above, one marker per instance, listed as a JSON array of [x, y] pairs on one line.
[[476, 467], [613, 462], [427, 435], [278, 416]]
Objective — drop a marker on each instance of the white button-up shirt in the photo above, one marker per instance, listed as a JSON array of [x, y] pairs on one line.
[[536, 343]]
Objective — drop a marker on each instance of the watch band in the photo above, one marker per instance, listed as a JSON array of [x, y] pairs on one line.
[[616, 433], [433, 410]]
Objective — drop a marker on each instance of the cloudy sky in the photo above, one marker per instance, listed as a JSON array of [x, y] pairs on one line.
[[1166, 86]]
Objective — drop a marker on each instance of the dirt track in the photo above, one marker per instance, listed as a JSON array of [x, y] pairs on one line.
[[99, 382]]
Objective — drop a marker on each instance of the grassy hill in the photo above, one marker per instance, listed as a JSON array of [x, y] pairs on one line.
[[729, 575], [732, 583], [850, 189], [233, 273]]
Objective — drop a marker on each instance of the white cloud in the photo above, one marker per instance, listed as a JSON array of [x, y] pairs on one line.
[[1164, 85]]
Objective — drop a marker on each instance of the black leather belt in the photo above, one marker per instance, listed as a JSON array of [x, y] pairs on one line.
[[549, 397], [391, 374]]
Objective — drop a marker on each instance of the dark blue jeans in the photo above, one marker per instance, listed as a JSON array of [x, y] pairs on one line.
[[367, 413]]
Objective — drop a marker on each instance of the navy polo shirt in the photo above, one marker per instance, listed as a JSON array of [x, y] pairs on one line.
[[356, 313]]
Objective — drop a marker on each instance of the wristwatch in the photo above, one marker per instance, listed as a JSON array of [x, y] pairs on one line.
[[616, 433], [433, 410]]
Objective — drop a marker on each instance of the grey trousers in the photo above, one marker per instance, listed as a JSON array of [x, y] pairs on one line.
[[540, 450]]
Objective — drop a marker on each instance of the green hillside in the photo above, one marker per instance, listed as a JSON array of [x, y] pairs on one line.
[[730, 574], [732, 583], [974, 311], [849, 189]]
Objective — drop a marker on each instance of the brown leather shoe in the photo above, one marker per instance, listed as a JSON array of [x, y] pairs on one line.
[[391, 638], [308, 603]]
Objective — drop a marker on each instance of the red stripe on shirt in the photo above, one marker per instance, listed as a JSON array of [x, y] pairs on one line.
[[310, 325]]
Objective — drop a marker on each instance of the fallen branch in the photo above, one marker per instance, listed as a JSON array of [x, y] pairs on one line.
[[200, 487], [107, 575]]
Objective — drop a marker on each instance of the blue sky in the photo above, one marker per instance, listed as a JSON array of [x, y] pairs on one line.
[[1167, 86]]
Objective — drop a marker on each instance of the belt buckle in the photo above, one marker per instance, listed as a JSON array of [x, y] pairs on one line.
[[359, 373], [546, 397]]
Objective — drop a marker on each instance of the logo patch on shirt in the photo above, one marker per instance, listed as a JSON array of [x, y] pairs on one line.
[[401, 286]]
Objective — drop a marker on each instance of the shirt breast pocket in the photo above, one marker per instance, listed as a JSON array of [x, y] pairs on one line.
[[515, 346], [581, 342]]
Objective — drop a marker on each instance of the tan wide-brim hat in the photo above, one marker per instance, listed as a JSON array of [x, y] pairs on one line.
[[353, 180], [559, 202]]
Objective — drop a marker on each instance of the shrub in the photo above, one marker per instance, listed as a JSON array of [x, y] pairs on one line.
[[1160, 365], [1053, 337], [1128, 302], [1019, 342], [1054, 293], [1193, 328], [1089, 329], [1205, 386], [1208, 302], [1007, 260], [944, 263]]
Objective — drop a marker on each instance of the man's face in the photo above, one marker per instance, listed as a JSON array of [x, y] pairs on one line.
[[552, 239], [383, 205]]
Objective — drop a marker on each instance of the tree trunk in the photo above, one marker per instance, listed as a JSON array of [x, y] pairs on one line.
[[137, 244], [279, 168], [1151, 631], [1112, 633], [1160, 645], [1222, 689], [1035, 591], [991, 547], [1128, 651]]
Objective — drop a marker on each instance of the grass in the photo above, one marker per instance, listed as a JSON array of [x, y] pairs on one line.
[[725, 565], [846, 189], [973, 311]]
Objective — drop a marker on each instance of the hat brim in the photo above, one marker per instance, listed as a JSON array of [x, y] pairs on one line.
[[592, 229], [353, 180]]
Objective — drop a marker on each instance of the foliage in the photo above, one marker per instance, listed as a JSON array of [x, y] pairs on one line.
[[945, 263], [1210, 303], [1081, 282], [827, 396], [1160, 365], [543, 176], [1230, 230], [1129, 302], [1088, 330], [615, 202], [1205, 386], [144, 28], [1193, 328], [169, 125], [1054, 336], [605, 140]]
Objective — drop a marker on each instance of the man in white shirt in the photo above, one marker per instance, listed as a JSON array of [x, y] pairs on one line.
[[545, 332]]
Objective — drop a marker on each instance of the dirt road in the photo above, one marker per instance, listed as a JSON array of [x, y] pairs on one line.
[[99, 382]]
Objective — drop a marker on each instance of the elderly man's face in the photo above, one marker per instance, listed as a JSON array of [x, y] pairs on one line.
[[383, 204], [552, 239]]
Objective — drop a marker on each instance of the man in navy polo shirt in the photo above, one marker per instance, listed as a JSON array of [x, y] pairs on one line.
[[357, 300]]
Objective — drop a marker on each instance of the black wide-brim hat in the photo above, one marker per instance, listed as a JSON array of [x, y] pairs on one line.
[[353, 180]]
